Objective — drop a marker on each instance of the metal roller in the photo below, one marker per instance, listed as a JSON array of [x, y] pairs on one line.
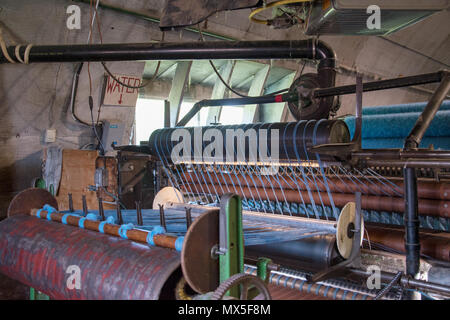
[[312, 253], [38, 253], [294, 138]]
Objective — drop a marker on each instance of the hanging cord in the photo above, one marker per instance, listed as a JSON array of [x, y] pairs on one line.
[[155, 74], [26, 55], [227, 85], [129, 86], [272, 5]]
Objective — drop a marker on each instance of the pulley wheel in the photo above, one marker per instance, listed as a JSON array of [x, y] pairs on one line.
[[344, 233], [308, 108], [167, 194], [28, 199], [200, 267]]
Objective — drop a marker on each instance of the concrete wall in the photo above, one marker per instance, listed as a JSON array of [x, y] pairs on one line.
[[36, 97]]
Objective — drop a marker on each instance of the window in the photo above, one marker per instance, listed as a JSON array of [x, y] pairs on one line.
[[231, 115], [149, 117]]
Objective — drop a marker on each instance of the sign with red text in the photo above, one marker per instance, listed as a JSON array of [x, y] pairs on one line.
[[118, 94]]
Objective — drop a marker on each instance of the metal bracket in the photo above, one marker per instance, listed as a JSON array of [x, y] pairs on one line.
[[231, 239], [344, 150]]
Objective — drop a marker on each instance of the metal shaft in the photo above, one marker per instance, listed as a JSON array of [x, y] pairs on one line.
[[411, 218], [139, 213], [162, 218], [85, 208], [380, 85], [119, 213], [415, 137], [100, 209], [70, 203]]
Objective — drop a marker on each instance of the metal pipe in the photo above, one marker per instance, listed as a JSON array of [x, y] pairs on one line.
[[70, 203], [100, 209], [188, 218], [413, 163], [411, 220], [288, 97], [119, 213], [139, 214], [395, 154], [292, 49], [85, 208], [418, 131], [381, 85]]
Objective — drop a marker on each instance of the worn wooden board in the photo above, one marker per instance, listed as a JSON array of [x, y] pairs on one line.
[[78, 170]]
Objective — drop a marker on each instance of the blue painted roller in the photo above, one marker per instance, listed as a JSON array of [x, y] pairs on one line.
[[402, 108], [439, 143], [398, 125]]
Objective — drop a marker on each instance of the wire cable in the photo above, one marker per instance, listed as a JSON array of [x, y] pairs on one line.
[[228, 86], [271, 5]]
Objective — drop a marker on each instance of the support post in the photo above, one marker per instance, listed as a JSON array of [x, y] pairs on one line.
[[411, 221], [177, 91]]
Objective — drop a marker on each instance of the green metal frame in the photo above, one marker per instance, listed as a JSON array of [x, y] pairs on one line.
[[231, 258]]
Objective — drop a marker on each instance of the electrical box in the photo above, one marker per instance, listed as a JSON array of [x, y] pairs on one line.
[[50, 136], [112, 134], [351, 17]]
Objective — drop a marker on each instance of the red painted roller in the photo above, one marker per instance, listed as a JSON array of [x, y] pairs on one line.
[[38, 253]]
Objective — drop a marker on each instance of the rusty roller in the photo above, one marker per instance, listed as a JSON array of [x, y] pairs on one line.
[[40, 254], [437, 208]]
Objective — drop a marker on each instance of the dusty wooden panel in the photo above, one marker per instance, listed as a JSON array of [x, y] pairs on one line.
[[78, 170], [109, 166]]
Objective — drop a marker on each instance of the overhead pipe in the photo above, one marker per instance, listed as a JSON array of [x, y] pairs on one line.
[[229, 50], [284, 49]]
